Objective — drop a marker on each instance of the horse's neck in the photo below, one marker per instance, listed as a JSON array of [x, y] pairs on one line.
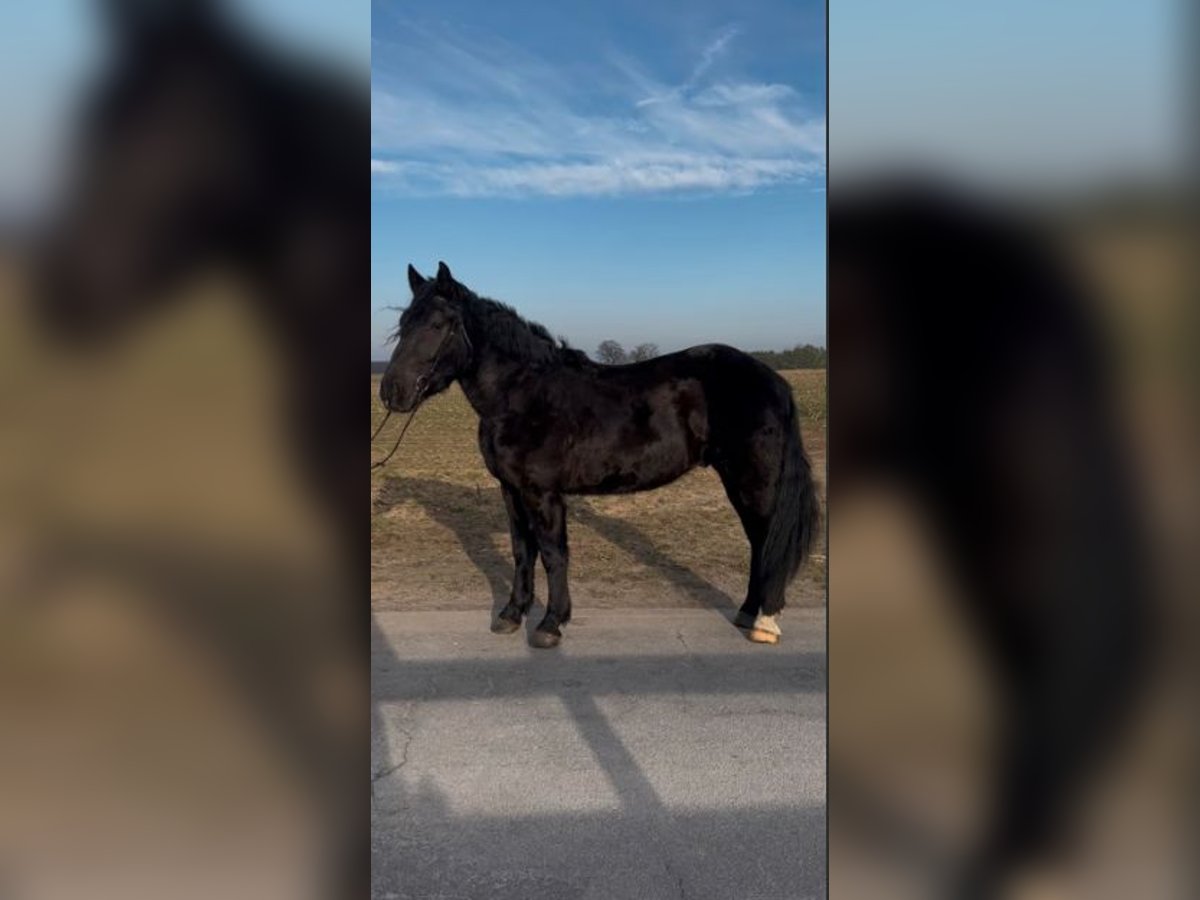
[[488, 383], [306, 309]]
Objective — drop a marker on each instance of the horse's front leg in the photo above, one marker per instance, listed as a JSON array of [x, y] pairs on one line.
[[525, 551], [548, 515]]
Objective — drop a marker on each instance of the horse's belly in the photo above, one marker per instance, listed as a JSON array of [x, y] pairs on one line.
[[608, 470], [607, 448]]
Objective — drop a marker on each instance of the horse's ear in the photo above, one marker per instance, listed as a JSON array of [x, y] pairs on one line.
[[136, 20], [444, 278], [416, 280]]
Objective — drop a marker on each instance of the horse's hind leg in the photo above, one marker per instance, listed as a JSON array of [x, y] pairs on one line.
[[753, 603], [749, 492], [525, 552]]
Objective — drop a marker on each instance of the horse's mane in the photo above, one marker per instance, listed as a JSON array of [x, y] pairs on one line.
[[501, 327]]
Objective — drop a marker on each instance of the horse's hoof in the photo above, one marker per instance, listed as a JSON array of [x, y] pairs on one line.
[[544, 639], [743, 620], [764, 630], [505, 626]]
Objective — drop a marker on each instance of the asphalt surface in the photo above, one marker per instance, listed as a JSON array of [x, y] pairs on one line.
[[654, 754]]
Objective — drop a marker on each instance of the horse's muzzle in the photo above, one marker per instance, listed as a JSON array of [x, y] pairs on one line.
[[394, 397]]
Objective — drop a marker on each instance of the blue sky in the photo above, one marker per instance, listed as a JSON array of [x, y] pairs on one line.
[[56, 47], [1044, 96], [643, 172], [652, 170]]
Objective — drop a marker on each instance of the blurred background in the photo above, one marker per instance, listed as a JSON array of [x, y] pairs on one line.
[[1013, 478], [1013, 326], [184, 225]]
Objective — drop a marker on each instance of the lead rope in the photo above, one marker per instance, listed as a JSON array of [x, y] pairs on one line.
[[422, 384], [399, 437], [375, 433]]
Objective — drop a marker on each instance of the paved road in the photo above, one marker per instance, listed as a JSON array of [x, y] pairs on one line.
[[655, 754]]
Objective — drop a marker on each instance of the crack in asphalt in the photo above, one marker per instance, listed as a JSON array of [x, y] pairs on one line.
[[679, 637], [395, 767], [677, 877]]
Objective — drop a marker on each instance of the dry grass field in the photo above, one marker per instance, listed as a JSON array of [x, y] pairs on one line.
[[439, 535]]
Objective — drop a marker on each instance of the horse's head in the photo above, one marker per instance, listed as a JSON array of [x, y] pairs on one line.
[[433, 348], [168, 172]]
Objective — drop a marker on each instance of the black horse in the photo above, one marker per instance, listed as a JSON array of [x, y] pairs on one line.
[[1001, 422], [201, 146], [552, 422]]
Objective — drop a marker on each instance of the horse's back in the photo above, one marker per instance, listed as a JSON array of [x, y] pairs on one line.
[[741, 392], [737, 394]]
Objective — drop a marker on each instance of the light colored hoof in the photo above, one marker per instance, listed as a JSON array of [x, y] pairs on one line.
[[765, 630]]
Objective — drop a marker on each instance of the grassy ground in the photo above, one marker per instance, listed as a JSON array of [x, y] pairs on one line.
[[439, 534]]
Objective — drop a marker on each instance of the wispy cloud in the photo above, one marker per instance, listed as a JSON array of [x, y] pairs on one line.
[[488, 119], [604, 178], [708, 56]]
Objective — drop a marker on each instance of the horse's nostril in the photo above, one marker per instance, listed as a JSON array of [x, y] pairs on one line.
[[390, 392]]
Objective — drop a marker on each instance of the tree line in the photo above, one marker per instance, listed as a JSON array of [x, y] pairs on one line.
[[802, 356]]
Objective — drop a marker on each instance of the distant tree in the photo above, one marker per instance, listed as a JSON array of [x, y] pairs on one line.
[[611, 353], [800, 357], [643, 351]]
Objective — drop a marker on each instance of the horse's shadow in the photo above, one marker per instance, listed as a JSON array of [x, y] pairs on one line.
[[472, 514], [476, 515]]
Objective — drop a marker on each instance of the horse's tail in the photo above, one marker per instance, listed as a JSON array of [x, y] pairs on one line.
[[796, 520]]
